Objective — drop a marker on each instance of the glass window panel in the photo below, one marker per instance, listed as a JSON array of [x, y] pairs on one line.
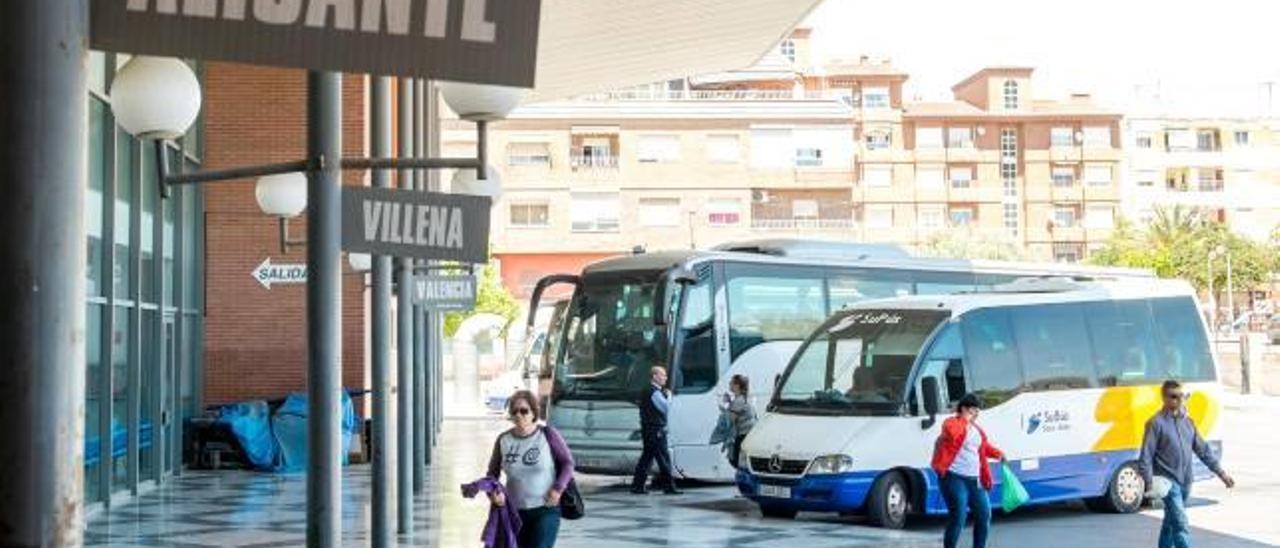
[[150, 368], [1180, 334], [992, 355], [94, 206], [126, 148], [770, 305], [170, 207], [698, 369], [150, 195], [1123, 342], [120, 346], [846, 290], [191, 219], [1054, 346], [92, 402]]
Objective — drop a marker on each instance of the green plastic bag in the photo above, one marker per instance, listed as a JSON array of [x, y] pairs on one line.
[[1012, 493]]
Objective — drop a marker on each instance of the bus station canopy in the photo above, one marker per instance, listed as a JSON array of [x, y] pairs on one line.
[[588, 46]]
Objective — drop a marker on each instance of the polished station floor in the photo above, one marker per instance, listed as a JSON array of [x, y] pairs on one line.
[[254, 509]]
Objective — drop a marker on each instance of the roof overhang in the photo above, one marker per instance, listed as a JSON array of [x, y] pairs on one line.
[[588, 46]]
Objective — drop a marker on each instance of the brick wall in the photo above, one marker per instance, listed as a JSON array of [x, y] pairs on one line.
[[255, 338]]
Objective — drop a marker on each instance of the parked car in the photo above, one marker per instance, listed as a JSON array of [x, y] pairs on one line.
[[1273, 329]]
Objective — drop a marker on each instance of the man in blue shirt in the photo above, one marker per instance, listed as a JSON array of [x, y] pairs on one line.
[[1168, 446], [654, 403]]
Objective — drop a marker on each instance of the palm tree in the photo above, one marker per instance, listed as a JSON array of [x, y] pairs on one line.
[[1172, 225]]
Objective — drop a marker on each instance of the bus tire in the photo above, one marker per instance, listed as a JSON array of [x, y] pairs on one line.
[[889, 501], [778, 512], [1124, 494]]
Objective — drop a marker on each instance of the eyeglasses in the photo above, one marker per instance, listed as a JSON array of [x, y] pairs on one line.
[[1175, 396], [522, 411]]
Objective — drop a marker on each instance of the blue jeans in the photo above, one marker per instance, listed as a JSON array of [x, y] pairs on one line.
[[1174, 532], [539, 527], [963, 494]]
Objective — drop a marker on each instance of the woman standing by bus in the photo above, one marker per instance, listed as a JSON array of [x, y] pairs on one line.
[[741, 415], [960, 460]]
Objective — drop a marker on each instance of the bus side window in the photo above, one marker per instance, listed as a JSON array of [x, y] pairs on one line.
[[1054, 346], [1184, 350], [1123, 342], [992, 355], [945, 362]]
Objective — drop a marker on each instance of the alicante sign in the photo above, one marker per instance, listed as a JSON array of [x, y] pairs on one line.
[[480, 41], [448, 293], [419, 225]]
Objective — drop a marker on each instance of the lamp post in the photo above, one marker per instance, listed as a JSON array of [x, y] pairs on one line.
[[158, 99]]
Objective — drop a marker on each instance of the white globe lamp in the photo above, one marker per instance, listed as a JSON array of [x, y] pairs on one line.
[[155, 97], [283, 195], [481, 101], [465, 182]]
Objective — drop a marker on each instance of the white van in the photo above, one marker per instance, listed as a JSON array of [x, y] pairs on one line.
[[1068, 372]]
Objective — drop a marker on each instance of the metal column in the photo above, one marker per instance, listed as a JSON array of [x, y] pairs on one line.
[[435, 324], [404, 325], [384, 461], [419, 322], [43, 163], [324, 309]]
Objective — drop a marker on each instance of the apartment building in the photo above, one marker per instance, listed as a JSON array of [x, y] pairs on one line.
[[1228, 167], [787, 148]]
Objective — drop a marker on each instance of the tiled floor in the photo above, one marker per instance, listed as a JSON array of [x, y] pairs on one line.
[[261, 510]]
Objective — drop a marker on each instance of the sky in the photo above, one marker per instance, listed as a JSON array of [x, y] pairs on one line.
[[1103, 47]]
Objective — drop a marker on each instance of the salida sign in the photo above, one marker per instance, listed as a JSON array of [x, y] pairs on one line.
[[482, 41], [421, 225]]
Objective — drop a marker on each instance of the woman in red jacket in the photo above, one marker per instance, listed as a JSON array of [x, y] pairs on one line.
[[960, 459]]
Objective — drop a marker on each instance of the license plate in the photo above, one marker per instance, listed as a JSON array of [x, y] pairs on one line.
[[776, 491]]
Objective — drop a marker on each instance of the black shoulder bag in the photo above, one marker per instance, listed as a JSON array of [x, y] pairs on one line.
[[571, 503]]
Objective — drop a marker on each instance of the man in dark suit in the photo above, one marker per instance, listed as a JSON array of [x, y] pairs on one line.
[[655, 400]]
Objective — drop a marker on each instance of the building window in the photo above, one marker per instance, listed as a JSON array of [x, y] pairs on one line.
[[930, 217], [1143, 140], [1242, 138], [928, 138], [878, 139], [929, 177], [1179, 139], [659, 212], [658, 148], [1208, 179], [878, 176], [724, 211], [808, 157], [788, 50], [1064, 176], [1097, 137], [1097, 175], [1207, 140], [530, 215], [1010, 215], [961, 216], [1010, 95], [961, 176], [1061, 137], [1064, 216], [594, 211], [528, 154], [879, 217], [1068, 252], [723, 149], [1100, 216], [959, 137], [875, 98]]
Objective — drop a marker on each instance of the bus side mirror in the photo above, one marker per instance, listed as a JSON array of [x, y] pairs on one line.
[[929, 387], [662, 294]]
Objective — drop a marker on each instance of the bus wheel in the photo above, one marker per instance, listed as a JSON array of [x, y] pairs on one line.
[[1124, 493], [778, 512], [888, 501]]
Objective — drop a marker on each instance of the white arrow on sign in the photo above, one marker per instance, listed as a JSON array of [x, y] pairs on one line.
[[268, 274]]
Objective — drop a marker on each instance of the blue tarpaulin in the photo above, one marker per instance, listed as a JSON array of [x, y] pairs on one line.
[[250, 422], [290, 426]]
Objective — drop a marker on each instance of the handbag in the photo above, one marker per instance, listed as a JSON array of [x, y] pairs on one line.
[[1012, 493], [1160, 487], [571, 503]]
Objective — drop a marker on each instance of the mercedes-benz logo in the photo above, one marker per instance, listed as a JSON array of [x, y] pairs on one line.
[[775, 464]]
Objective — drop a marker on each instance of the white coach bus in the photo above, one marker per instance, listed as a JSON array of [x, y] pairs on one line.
[[708, 315], [1068, 374]]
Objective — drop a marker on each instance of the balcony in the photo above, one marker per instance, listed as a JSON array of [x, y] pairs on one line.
[[802, 224], [593, 162]]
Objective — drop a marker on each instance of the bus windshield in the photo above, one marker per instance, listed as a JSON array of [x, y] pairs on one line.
[[610, 340], [858, 363]]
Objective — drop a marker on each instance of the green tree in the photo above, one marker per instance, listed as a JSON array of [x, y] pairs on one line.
[[491, 297], [963, 243]]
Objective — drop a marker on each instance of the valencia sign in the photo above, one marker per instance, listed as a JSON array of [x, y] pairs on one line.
[[480, 41]]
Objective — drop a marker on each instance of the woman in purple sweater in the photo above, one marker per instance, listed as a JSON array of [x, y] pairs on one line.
[[538, 467]]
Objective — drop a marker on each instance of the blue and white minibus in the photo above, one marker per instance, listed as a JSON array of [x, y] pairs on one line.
[[742, 308], [1068, 372]]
